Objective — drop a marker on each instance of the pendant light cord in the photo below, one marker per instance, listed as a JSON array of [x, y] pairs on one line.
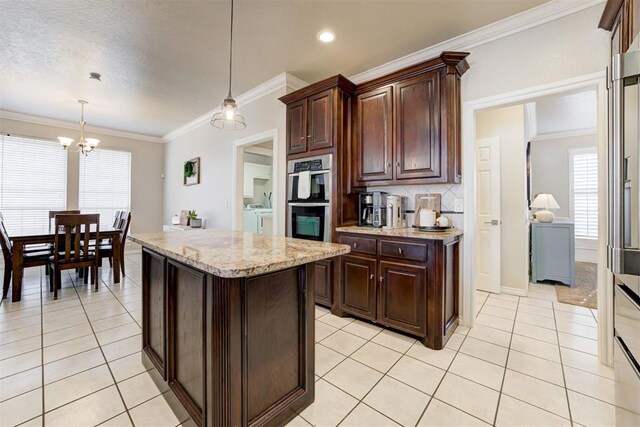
[[230, 50]]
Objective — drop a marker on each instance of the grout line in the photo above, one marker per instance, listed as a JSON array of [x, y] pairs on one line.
[[564, 377], [506, 363]]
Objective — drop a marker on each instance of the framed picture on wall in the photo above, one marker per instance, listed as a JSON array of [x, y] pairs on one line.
[[191, 172]]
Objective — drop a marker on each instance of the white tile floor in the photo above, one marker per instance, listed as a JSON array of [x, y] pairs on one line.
[[529, 361]]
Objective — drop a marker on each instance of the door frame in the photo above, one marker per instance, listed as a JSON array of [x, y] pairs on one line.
[[493, 140], [238, 179], [522, 96]]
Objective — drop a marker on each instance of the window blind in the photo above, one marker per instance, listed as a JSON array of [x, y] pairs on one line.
[[105, 184], [584, 181], [33, 180]]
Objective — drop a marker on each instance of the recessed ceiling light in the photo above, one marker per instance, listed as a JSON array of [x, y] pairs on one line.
[[326, 36]]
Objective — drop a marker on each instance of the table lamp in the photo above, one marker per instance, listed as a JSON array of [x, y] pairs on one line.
[[545, 202]]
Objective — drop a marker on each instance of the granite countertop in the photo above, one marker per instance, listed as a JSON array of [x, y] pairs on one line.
[[410, 232], [228, 253]]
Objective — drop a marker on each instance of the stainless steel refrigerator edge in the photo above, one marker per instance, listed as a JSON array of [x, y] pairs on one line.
[[623, 251]]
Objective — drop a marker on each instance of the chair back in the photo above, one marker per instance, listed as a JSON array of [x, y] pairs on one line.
[[72, 238], [125, 221], [5, 243], [116, 219], [52, 214]]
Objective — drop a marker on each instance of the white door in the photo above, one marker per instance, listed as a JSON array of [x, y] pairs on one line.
[[488, 215]]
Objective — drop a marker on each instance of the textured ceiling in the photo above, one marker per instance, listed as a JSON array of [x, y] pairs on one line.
[[165, 62]]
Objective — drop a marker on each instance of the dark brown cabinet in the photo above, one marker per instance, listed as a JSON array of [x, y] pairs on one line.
[[622, 18], [320, 121], [323, 272], [406, 284], [297, 127], [373, 135], [403, 296], [417, 110], [358, 287], [154, 309], [406, 125]]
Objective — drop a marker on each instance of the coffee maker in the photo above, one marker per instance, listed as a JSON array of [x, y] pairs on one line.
[[372, 209]]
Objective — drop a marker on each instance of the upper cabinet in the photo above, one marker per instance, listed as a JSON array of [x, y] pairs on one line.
[[373, 131], [406, 126], [314, 115]]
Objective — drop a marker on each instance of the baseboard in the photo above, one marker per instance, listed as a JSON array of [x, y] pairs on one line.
[[513, 291]]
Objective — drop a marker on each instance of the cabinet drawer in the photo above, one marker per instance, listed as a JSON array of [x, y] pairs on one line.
[[411, 251], [361, 245]]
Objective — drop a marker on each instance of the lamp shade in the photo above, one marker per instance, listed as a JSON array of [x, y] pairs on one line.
[[545, 201]]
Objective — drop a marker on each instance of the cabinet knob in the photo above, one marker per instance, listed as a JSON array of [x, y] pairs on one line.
[[371, 277], [382, 278], [400, 251], [308, 136], [301, 138], [355, 244]]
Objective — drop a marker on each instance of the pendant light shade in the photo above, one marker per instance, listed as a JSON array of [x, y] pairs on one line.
[[229, 117]]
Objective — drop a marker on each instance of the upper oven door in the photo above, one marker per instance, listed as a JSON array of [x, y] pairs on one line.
[[320, 187]]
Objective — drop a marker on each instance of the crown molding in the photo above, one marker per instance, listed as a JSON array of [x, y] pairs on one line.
[[565, 134], [531, 18], [281, 81], [10, 115]]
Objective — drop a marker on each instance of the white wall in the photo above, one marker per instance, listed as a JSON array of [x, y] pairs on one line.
[[147, 160], [550, 167], [558, 50], [212, 198], [508, 125]]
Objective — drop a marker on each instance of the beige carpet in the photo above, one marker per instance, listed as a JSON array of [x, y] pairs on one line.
[[585, 292]]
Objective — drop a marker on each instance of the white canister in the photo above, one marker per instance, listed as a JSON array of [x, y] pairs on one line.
[[427, 217], [442, 221]]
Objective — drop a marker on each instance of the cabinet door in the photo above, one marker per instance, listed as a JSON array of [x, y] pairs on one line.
[[186, 361], [403, 297], [248, 181], [154, 342], [320, 121], [417, 109], [297, 127], [373, 135], [323, 275], [358, 286]]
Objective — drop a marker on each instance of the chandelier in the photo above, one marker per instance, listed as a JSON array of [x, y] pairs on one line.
[[85, 145], [229, 117]]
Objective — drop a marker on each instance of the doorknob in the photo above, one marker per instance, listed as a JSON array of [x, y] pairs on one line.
[[492, 222]]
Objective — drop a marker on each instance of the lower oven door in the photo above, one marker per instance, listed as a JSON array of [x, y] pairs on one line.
[[627, 355], [309, 221]]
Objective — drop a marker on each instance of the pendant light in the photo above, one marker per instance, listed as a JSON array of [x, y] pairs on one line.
[[229, 117], [85, 145]]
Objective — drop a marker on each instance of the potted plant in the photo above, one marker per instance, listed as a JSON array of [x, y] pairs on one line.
[[194, 221]]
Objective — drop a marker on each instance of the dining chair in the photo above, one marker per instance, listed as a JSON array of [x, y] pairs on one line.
[[72, 247], [31, 258], [106, 249], [52, 215]]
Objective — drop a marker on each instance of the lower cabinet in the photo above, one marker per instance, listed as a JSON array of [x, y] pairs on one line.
[[154, 290], [358, 286], [403, 296], [324, 275], [410, 285]]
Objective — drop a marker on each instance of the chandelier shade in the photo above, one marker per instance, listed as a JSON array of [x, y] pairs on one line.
[[85, 145]]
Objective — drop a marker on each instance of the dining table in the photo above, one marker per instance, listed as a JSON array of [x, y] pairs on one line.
[[19, 242]]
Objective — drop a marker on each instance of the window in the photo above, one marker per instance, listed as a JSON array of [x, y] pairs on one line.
[[105, 184], [33, 180], [584, 192]]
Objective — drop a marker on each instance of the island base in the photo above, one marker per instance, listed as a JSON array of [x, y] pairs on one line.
[[235, 351]]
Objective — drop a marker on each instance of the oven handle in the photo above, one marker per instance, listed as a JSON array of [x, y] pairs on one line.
[[312, 172], [625, 350], [631, 296], [307, 204]]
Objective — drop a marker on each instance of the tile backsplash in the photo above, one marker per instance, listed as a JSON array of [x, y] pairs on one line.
[[449, 193]]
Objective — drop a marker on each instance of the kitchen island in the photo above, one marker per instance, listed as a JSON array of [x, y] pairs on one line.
[[228, 322]]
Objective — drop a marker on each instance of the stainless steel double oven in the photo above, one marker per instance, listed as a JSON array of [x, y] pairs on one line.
[[309, 198]]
